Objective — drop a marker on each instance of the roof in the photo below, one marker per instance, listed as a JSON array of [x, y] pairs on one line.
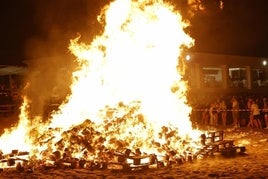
[[222, 59], [12, 70]]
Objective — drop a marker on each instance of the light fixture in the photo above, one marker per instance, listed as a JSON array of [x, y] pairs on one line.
[[188, 57], [264, 62]]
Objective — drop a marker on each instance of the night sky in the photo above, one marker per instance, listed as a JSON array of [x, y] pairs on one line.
[[34, 28]]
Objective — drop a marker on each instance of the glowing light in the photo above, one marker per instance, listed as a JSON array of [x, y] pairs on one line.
[[188, 57]]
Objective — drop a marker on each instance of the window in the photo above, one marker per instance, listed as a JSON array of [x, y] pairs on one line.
[[237, 77], [212, 77], [259, 78]]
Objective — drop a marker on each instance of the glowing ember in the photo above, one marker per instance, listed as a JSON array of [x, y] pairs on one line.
[[127, 93]]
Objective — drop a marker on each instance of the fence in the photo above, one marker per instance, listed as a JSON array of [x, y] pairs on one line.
[[202, 116]]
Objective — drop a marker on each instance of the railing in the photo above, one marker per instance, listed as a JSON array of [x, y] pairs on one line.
[[202, 117], [6, 109], [219, 110]]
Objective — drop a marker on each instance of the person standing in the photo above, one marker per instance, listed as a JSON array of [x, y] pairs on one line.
[[235, 112], [223, 110], [250, 116], [265, 112], [205, 116], [255, 111], [213, 112]]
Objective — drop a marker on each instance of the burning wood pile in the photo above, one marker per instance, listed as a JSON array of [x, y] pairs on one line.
[[115, 144], [15, 160], [112, 159]]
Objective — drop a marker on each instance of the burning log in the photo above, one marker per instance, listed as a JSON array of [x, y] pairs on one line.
[[16, 160], [128, 160], [67, 163]]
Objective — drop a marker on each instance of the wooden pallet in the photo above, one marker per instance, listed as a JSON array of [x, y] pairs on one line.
[[224, 147], [138, 162]]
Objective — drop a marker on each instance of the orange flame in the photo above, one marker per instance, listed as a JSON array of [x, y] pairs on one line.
[[17, 137], [130, 71]]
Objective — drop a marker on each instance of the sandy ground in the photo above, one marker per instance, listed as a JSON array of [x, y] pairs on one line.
[[252, 164]]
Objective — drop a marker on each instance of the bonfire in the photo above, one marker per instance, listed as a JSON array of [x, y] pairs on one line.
[[128, 98]]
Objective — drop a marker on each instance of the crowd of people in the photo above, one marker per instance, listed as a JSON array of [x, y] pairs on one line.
[[234, 111]]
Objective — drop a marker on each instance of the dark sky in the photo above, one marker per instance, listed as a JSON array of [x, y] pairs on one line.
[[15, 20], [240, 28], [32, 28]]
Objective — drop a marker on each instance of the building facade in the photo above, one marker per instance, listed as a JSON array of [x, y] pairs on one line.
[[226, 74]]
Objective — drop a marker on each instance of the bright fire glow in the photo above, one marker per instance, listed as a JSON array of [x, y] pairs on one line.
[[17, 137], [127, 92]]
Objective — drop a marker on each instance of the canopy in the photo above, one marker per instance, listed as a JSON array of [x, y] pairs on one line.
[[12, 70]]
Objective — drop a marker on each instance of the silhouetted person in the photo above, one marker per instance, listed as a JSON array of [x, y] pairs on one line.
[[235, 112], [255, 111]]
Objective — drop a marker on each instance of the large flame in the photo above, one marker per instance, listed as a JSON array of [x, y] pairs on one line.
[[128, 85], [134, 59]]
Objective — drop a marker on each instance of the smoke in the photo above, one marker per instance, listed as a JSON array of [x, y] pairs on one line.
[[50, 63]]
